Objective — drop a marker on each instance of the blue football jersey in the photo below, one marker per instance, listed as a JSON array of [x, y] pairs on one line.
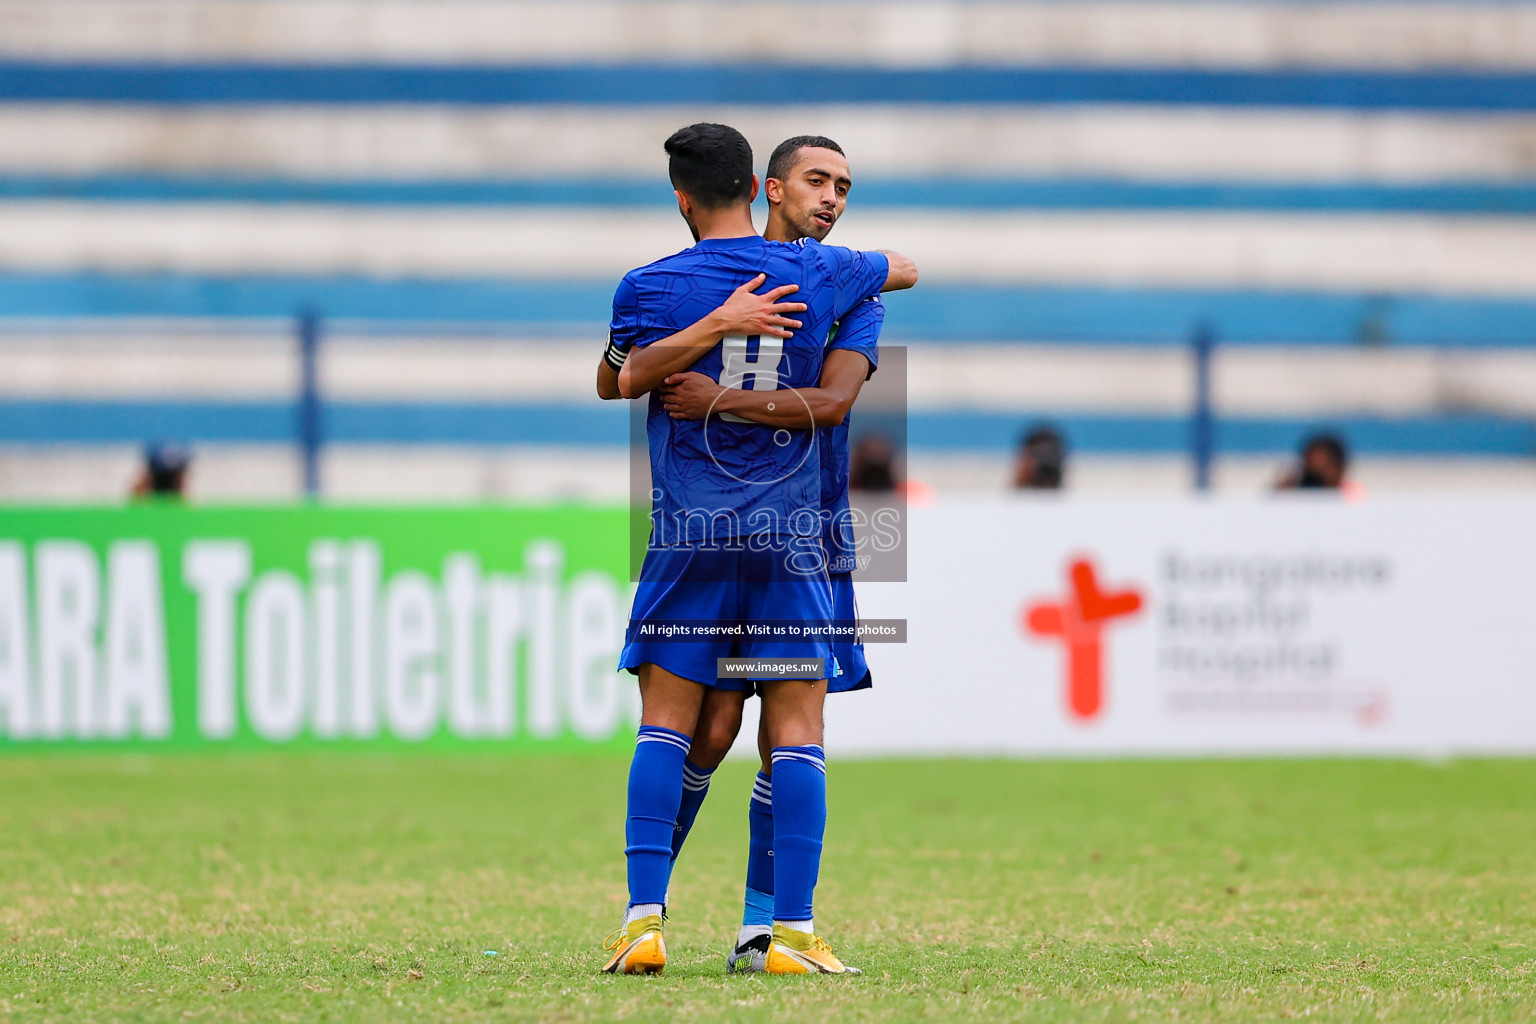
[[720, 476], [859, 332]]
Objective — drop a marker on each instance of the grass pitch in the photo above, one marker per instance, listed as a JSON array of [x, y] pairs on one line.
[[363, 888]]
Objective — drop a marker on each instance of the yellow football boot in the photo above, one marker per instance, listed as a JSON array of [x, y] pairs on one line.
[[794, 952], [638, 948]]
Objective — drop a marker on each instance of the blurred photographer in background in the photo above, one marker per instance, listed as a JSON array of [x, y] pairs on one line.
[[1324, 460], [872, 465], [164, 474], [1041, 462]]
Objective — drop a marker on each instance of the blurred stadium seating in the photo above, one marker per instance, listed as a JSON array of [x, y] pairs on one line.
[[1344, 192]]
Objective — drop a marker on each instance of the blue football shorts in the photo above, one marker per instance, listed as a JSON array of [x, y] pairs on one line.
[[853, 671], [729, 586]]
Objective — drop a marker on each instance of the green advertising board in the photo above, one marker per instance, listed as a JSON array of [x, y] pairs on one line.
[[164, 626]]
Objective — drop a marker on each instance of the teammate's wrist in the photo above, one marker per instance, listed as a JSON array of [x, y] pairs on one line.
[[719, 324], [726, 400]]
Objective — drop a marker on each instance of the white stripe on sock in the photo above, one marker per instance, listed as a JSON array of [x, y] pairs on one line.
[[819, 762], [682, 743]]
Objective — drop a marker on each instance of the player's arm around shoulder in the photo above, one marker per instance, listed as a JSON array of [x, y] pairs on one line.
[[859, 332], [608, 369], [693, 396], [852, 357], [863, 273], [842, 375], [607, 382], [901, 272], [627, 326], [745, 312]]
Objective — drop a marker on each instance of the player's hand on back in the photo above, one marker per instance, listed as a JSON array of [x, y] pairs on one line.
[[689, 396], [748, 313]]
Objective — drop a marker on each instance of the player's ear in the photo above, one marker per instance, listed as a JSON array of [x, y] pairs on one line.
[[752, 198], [773, 188], [684, 205]]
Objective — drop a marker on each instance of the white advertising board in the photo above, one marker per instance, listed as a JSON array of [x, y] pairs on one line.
[[1189, 627]]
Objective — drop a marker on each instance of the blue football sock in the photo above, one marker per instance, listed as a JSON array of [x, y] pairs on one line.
[[695, 789], [799, 822], [759, 903], [655, 791]]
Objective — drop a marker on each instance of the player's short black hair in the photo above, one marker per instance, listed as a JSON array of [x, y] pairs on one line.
[[711, 164], [783, 159]]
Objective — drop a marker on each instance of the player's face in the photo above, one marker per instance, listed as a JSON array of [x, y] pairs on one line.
[[815, 192]]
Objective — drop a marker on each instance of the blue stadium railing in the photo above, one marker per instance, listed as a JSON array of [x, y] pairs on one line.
[[310, 421], [933, 313]]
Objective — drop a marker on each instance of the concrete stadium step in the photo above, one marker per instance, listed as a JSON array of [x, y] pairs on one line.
[[958, 474], [354, 473], [246, 473], [578, 309], [1469, 255], [1275, 381], [495, 425], [452, 142], [1022, 193], [1352, 34]]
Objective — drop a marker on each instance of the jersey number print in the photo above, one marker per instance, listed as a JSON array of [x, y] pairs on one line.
[[737, 366]]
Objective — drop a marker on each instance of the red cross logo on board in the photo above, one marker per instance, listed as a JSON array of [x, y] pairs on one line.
[[1078, 621]]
